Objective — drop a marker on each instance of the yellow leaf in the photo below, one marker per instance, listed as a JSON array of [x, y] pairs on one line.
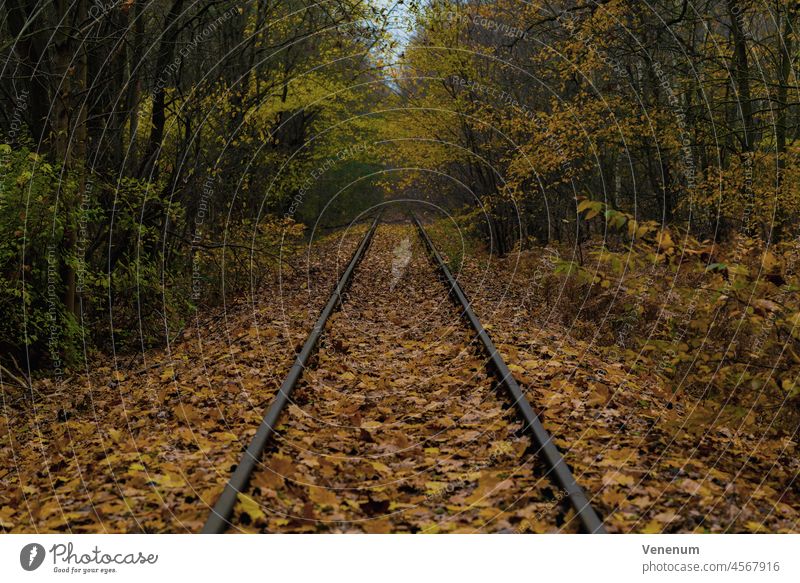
[[653, 527], [323, 497], [617, 478], [380, 467], [666, 516], [665, 242], [769, 261], [170, 481], [5, 518], [434, 487], [250, 507]]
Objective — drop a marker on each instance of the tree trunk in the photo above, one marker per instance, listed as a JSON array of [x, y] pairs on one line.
[[69, 129], [149, 169], [741, 73], [31, 48], [785, 48]]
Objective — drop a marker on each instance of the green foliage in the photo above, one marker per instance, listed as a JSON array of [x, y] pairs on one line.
[[131, 288], [170, 207], [353, 195], [32, 315]]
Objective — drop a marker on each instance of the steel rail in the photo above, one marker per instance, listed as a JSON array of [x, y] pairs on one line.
[[219, 519], [558, 468]]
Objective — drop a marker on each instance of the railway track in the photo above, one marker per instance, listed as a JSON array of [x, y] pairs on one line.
[[348, 445]]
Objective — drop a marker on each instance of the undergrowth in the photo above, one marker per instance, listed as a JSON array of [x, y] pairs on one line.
[[717, 321]]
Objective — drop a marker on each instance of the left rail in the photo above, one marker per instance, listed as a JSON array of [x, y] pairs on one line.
[[219, 519]]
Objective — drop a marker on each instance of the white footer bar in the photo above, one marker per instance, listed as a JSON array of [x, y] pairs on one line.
[[415, 558]]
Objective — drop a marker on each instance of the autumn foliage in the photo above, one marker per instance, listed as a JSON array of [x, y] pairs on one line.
[[616, 184]]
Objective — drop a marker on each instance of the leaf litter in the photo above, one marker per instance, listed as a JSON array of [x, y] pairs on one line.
[[396, 426]]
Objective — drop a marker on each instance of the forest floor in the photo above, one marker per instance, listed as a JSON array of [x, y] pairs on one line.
[[395, 427]]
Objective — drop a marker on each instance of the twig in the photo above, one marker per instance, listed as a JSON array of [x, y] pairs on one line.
[[213, 245], [152, 366], [19, 382]]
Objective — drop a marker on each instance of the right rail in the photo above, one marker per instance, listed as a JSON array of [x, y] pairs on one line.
[[557, 467]]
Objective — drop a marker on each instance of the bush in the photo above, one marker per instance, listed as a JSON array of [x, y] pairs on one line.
[[138, 276], [34, 325], [715, 320]]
